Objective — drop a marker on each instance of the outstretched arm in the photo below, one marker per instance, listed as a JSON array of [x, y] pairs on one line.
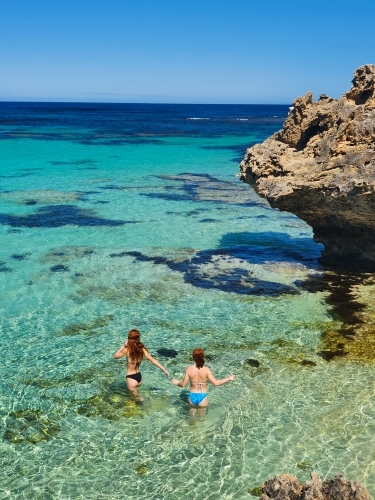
[[217, 382], [155, 362], [121, 352], [183, 382]]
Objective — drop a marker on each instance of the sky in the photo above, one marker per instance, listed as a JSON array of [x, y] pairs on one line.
[[182, 51]]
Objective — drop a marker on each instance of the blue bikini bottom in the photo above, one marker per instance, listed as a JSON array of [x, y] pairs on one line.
[[197, 397]]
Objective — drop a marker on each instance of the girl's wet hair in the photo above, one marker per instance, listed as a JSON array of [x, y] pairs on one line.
[[135, 346], [198, 356]]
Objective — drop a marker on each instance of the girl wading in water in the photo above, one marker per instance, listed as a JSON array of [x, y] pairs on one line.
[[198, 375], [135, 351]]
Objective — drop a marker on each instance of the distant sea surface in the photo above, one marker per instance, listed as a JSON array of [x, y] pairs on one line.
[[119, 216]]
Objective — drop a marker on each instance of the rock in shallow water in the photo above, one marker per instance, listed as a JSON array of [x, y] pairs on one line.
[[168, 353], [287, 487], [321, 167]]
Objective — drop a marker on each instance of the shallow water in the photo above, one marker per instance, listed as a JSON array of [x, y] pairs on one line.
[[113, 217]]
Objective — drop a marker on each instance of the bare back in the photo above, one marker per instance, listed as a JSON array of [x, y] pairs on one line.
[[133, 366], [198, 378]]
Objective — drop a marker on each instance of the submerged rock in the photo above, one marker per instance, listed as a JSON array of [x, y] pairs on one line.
[[167, 353], [253, 362], [287, 487], [321, 167]]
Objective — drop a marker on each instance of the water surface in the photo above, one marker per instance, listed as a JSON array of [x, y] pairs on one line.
[[131, 216]]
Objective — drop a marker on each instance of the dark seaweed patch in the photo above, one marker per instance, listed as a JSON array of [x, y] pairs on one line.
[[112, 187], [166, 196], [30, 202], [57, 216], [121, 254], [90, 375], [238, 148], [20, 256], [307, 362], [88, 328], [167, 353], [29, 426], [60, 268], [75, 162], [253, 362], [5, 269], [15, 176], [111, 405], [236, 280], [208, 220], [329, 355], [203, 187], [256, 491]]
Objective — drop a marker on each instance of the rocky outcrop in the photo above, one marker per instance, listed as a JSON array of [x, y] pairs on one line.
[[321, 167], [287, 487]]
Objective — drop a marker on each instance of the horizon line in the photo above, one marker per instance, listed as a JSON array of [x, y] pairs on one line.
[[148, 103]]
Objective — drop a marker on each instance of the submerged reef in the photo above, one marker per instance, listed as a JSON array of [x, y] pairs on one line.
[[29, 426], [287, 487], [321, 167]]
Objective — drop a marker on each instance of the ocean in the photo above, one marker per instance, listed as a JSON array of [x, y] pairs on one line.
[[120, 216]]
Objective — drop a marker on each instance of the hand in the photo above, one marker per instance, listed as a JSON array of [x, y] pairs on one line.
[[232, 377], [166, 372], [174, 381]]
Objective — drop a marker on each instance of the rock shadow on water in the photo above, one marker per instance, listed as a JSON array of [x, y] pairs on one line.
[[56, 216], [353, 337], [261, 247]]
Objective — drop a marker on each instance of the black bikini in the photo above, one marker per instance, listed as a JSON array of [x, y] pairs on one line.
[[136, 376]]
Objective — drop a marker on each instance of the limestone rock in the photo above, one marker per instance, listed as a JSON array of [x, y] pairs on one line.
[[287, 487], [321, 167], [313, 488], [339, 488]]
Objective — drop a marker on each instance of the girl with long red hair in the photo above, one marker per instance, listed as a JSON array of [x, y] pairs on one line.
[[135, 351], [198, 375]]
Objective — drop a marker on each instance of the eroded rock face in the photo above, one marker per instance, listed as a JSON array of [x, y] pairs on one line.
[[321, 167], [287, 487]]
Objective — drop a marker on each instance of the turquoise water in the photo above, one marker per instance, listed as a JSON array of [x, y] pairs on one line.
[[103, 231]]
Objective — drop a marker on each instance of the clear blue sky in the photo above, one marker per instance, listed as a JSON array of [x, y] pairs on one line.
[[194, 51]]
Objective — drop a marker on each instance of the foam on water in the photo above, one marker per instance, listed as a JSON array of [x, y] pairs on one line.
[[133, 220]]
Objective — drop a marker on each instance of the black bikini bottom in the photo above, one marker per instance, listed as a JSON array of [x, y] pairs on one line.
[[136, 376]]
